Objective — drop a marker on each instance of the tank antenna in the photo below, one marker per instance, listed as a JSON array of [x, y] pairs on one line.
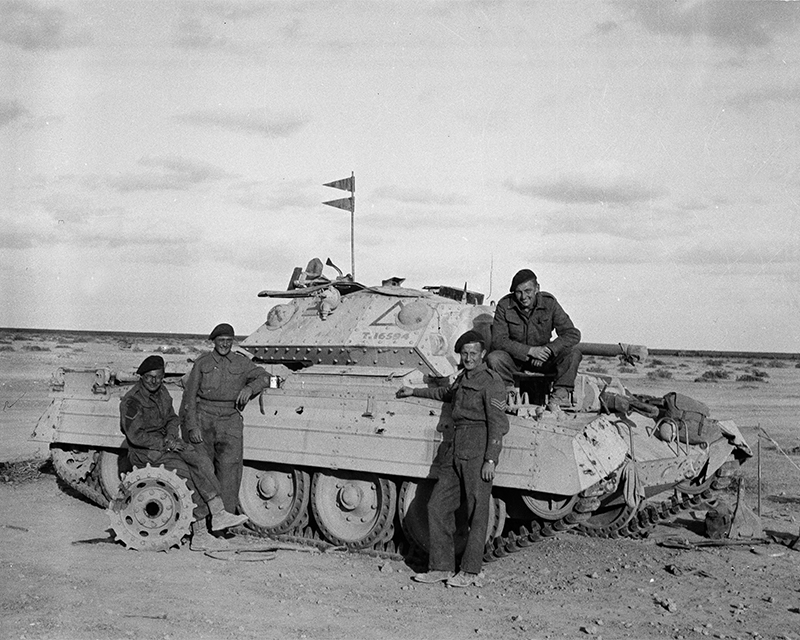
[[491, 273], [348, 204]]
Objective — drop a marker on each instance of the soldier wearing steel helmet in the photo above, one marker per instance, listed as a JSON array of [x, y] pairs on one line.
[[468, 464], [219, 386], [150, 425]]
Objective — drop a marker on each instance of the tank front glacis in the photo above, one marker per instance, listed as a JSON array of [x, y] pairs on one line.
[[377, 327]]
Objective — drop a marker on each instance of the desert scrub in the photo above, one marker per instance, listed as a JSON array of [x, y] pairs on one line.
[[714, 363], [597, 369], [746, 377], [624, 368], [660, 374], [657, 363], [34, 347], [170, 350], [6, 347], [716, 374]]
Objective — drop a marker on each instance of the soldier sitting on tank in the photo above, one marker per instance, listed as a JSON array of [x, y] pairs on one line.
[[467, 464], [151, 428], [524, 321]]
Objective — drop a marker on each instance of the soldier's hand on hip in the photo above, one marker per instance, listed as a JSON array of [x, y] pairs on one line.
[[487, 471], [404, 392], [195, 435]]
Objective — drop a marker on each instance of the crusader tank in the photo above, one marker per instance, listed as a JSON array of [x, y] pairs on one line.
[[332, 455]]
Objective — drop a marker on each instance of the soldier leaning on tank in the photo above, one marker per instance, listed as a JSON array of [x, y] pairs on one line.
[[219, 386], [150, 425], [467, 464], [524, 321]]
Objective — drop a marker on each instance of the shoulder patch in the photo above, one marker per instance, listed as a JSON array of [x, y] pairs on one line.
[[132, 408]]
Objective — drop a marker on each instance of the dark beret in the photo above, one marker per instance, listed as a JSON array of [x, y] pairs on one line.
[[223, 329], [523, 275], [150, 363], [468, 338]]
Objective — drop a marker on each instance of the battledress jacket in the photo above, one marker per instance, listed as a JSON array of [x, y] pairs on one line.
[[516, 331], [219, 379], [148, 420], [478, 399]]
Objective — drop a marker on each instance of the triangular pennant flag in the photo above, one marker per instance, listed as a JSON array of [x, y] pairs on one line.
[[345, 184], [344, 203]]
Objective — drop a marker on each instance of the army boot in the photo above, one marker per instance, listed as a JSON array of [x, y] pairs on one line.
[[202, 540], [221, 519]]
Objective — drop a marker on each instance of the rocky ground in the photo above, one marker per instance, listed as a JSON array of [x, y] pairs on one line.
[[60, 577]]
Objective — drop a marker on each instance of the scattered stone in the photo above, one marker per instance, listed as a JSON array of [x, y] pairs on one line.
[[590, 629], [594, 575]]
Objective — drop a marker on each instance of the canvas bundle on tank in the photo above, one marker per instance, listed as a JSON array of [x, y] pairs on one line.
[[691, 418]]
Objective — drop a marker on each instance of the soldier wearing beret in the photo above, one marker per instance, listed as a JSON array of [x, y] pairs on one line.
[[219, 386], [522, 337], [468, 464], [150, 425]]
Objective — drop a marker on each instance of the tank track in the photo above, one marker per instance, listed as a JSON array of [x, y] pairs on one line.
[[519, 536], [645, 520], [87, 484], [310, 537]]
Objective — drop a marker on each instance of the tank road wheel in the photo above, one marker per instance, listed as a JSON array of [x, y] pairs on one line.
[[413, 512], [275, 498], [113, 465], [153, 511], [549, 506], [78, 469], [351, 509], [610, 518]]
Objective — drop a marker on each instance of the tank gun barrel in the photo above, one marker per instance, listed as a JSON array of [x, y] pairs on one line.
[[630, 353]]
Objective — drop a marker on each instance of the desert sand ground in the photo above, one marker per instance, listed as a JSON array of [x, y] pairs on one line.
[[58, 579]]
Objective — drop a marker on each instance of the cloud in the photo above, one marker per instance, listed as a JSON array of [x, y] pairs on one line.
[[33, 27], [784, 95], [168, 173], [573, 188], [262, 123], [261, 196], [10, 110], [192, 33], [758, 252], [417, 195], [741, 24]]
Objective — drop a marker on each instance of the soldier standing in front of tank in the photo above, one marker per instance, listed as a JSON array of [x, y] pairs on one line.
[[219, 386], [150, 425], [522, 331], [467, 464]]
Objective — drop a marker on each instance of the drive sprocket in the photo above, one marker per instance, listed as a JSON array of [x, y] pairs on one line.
[[153, 511]]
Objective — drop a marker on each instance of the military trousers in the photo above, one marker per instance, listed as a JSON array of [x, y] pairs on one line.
[[459, 483], [192, 465], [222, 429], [564, 366]]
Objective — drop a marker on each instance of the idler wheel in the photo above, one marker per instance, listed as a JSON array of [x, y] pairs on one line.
[[549, 506], [153, 511], [274, 497], [353, 510], [413, 513], [113, 465], [612, 515], [73, 465]]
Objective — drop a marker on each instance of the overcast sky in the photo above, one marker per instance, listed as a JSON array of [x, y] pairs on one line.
[[162, 162]]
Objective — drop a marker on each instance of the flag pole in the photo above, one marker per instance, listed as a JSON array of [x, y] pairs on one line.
[[353, 225], [347, 184]]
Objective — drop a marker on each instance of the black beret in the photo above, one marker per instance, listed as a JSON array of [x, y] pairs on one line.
[[468, 338], [150, 363], [523, 275], [223, 329]]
